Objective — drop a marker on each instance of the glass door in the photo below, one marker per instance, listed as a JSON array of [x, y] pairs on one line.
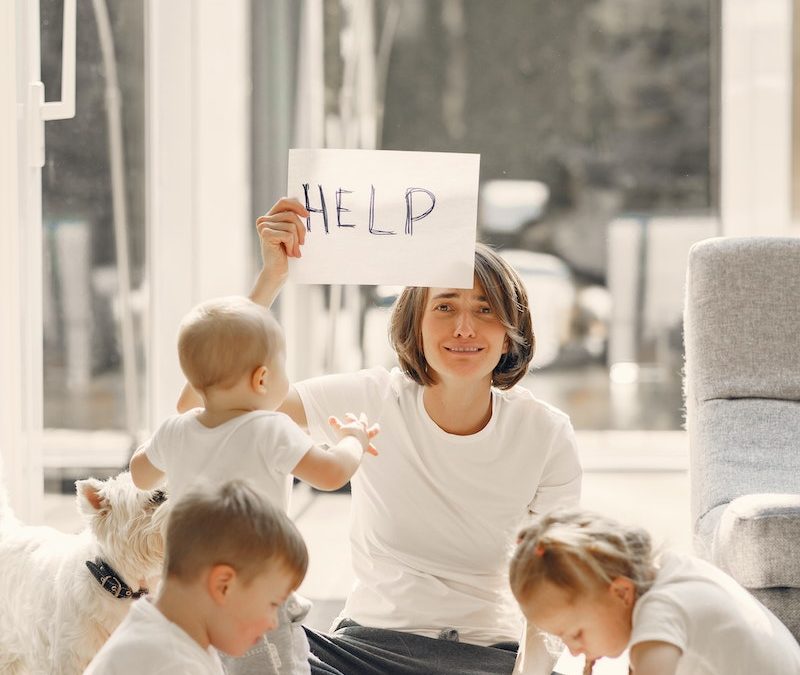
[[145, 184], [23, 114], [94, 290]]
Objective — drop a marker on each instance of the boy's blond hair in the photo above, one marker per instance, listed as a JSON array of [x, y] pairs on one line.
[[580, 551], [221, 340], [231, 524]]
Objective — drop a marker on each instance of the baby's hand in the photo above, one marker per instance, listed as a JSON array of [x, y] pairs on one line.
[[357, 427]]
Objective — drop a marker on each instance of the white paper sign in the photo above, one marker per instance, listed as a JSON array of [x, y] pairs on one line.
[[386, 217]]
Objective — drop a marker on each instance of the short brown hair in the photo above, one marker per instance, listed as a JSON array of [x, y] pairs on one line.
[[222, 339], [232, 524], [580, 551], [507, 298]]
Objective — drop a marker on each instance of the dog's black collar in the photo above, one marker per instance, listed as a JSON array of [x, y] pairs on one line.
[[111, 581]]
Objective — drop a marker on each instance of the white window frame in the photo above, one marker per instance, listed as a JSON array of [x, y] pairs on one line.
[[756, 118]]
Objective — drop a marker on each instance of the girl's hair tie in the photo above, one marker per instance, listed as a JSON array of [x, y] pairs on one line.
[[539, 551]]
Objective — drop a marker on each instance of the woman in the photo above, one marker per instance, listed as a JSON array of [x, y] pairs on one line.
[[465, 456]]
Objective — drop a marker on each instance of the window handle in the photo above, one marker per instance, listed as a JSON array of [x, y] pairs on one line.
[[65, 108], [41, 111]]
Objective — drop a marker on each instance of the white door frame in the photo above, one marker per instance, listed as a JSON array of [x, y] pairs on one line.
[[11, 432], [20, 263]]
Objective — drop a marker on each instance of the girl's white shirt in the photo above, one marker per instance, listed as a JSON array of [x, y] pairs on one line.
[[719, 626]]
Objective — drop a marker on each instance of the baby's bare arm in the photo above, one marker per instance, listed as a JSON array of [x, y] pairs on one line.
[[654, 658], [144, 475], [331, 468]]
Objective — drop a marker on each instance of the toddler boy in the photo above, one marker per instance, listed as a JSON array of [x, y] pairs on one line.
[[231, 560]]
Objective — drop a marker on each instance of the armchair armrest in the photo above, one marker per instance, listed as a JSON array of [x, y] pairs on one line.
[[757, 540]]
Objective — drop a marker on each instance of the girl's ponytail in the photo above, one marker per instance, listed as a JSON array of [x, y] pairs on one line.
[[579, 551]]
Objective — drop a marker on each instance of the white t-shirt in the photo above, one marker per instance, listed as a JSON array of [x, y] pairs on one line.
[[435, 515], [147, 642], [720, 628], [261, 446]]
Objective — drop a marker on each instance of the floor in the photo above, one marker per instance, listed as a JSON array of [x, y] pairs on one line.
[[621, 480]]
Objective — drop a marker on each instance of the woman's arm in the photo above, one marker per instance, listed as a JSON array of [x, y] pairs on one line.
[[560, 482], [281, 233], [189, 399], [293, 407]]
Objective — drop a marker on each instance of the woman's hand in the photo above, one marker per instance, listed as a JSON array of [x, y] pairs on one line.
[[281, 233]]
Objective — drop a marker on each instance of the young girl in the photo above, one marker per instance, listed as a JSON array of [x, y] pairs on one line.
[[597, 586]]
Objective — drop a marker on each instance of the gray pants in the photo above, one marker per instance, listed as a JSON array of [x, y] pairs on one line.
[[282, 651], [357, 650]]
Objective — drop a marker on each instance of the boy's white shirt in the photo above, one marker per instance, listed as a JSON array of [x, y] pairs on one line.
[[261, 446], [147, 642], [718, 625], [434, 516]]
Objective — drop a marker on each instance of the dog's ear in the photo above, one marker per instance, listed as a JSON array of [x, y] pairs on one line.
[[90, 500]]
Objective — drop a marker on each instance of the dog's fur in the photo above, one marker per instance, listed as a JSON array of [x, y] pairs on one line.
[[54, 615]]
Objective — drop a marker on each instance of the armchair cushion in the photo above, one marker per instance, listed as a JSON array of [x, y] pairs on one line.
[[742, 320]]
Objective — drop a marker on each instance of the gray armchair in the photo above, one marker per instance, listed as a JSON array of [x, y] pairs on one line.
[[742, 389]]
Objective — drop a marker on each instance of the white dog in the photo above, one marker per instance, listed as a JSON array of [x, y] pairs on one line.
[[61, 595]]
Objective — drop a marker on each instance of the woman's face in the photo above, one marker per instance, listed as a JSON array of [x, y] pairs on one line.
[[462, 337]]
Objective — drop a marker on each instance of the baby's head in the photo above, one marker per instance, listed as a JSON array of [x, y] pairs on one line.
[[240, 554], [232, 341], [577, 575]]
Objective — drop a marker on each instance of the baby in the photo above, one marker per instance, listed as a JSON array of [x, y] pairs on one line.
[[232, 352]]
